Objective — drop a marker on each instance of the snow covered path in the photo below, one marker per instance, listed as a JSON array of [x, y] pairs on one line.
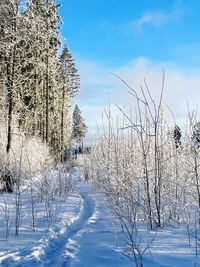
[[94, 243], [86, 240], [89, 241], [58, 254], [87, 237]]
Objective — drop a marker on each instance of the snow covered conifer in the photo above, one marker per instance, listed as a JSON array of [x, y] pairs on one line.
[[71, 78], [196, 134], [79, 125], [177, 136], [70, 84]]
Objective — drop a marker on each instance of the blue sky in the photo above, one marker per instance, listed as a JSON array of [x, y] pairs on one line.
[[114, 31], [135, 39]]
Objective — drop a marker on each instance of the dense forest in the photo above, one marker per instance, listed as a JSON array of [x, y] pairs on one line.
[[38, 82]]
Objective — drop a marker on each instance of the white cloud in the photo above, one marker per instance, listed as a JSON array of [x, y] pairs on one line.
[[154, 18], [180, 86], [94, 82], [157, 18]]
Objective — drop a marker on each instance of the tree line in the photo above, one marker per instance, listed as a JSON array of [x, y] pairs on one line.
[[37, 84]]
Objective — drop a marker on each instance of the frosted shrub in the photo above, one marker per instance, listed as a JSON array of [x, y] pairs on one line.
[[148, 176], [27, 155], [149, 171], [50, 186]]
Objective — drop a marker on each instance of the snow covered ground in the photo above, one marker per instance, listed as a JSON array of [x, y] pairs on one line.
[[88, 236]]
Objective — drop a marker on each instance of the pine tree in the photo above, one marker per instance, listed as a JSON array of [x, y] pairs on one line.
[[70, 85], [71, 79], [177, 136], [46, 22], [79, 125], [196, 135]]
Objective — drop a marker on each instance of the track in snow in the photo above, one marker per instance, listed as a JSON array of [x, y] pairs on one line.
[[95, 245], [56, 255], [88, 241]]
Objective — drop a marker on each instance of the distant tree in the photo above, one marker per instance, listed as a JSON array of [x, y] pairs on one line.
[[177, 136], [196, 135], [79, 125]]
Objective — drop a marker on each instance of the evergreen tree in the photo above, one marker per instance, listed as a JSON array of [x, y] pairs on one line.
[[79, 125], [47, 11], [177, 136], [70, 85], [196, 135], [71, 79]]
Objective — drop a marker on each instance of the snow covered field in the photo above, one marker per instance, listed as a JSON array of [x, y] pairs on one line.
[[87, 235]]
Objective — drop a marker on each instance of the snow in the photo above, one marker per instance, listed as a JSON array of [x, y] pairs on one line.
[[86, 235]]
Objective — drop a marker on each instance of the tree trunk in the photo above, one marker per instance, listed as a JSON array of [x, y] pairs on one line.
[[47, 99], [10, 89], [62, 126]]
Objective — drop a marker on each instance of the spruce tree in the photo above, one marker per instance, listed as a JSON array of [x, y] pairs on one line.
[[177, 136], [196, 135], [79, 125], [70, 85]]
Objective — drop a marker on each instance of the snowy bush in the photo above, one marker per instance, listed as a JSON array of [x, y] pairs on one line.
[[148, 171], [27, 155], [38, 200]]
